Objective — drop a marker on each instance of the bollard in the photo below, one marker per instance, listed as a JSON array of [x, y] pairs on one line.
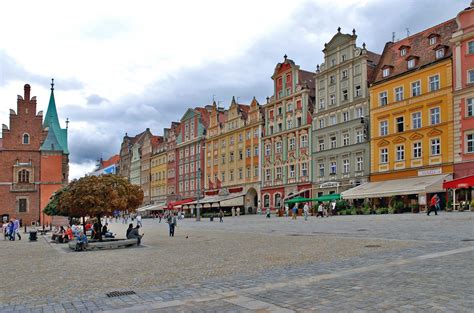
[[25, 228]]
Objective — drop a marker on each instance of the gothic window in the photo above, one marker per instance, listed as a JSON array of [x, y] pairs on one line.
[[26, 139], [23, 176]]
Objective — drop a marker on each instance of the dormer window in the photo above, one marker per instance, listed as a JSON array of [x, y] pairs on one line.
[[403, 52], [386, 72], [411, 63], [433, 40], [26, 139], [439, 53]]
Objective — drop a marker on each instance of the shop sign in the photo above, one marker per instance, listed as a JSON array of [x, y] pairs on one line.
[[432, 171]]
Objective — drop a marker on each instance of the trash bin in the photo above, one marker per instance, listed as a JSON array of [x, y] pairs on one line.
[[33, 235]]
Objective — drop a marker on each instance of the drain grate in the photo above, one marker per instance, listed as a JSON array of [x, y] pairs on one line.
[[373, 246], [362, 229], [120, 293], [467, 239]]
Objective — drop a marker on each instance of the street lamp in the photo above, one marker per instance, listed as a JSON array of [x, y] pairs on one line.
[[198, 206]]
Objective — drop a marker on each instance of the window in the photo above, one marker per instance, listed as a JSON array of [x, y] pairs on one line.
[[247, 135], [292, 143], [278, 147], [289, 124], [399, 124], [268, 149], [360, 163], [304, 141], [255, 171], [231, 156], [433, 40], [345, 95], [359, 112], [248, 153], [332, 79], [416, 120], [345, 139], [332, 98], [384, 155], [343, 57], [332, 119], [277, 200], [470, 76], [223, 143], [26, 139], [240, 137], [279, 111], [266, 201], [345, 166], [435, 146], [435, 116], [223, 159], [359, 136], [255, 133], [231, 176], [248, 172], [321, 169], [399, 94], [385, 72], [345, 116], [280, 127], [321, 144], [241, 173], [289, 107], [255, 152], [322, 103], [344, 74], [288, 91], [383, 100], [241, 155], [403, 52], [292, 171], [333, 167], [22, 205], [434, 83], [231, 140], [470, 107], [411, 63], [470, 143], [439, 53], [271, 130], [23, 176], [358, 91], [415, 89], [298, 122], [400, 153], [417, 150], [278, 173], [333, 142], [333, 62], [470, 47], [304, 169], [321, 123]]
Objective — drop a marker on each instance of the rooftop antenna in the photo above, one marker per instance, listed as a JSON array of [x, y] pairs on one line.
[[393, 36], [408, 32], [67, 122], [237, 99]]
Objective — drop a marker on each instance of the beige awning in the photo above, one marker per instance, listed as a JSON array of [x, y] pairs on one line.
[[389, 188], [233, 199]]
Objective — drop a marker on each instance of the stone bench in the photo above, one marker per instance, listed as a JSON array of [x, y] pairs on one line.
[[106, 244]]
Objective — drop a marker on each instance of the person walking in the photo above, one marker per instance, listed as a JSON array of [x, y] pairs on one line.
[[172, 223], [238, 211], [320, 210], [16, 228], [295, 211], [139, 220], [287, 210], [433, 205], [221, 216], [232, 211], [5, 229], [306, 211]]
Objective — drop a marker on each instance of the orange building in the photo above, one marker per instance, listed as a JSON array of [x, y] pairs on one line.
[[411, 119]]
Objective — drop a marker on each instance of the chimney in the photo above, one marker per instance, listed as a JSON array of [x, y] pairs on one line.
[[27, 92]]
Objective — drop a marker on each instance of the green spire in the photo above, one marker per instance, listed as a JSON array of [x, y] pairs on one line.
[[57, 137]]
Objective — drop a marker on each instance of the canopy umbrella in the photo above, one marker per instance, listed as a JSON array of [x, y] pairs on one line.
[[331, 197], [297, 200]]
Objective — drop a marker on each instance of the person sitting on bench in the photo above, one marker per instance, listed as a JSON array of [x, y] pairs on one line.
[[106, 233], [134, 234], [81, 242]]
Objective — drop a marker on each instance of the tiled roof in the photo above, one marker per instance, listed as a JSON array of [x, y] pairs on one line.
[[417, 46], [57, 137], [112, 160], [156, 140]]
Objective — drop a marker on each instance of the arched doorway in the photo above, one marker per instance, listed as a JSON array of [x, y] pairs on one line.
[[251, 201]]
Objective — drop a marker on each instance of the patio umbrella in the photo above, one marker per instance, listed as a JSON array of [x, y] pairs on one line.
[[297, 200]]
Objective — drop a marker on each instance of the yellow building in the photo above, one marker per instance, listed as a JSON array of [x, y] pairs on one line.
[[411, 119], [231, 158], [158, 172]]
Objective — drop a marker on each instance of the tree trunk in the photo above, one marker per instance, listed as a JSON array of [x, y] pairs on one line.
[[100, 228], [84, 225]]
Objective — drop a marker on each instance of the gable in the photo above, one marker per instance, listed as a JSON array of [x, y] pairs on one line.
[[339, 39], [190, 113]]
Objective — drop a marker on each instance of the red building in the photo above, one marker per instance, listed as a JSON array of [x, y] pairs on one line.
[[34, 159], [463, 93], [170, 138]]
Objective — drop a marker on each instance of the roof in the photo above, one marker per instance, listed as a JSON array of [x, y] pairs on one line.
[[112, 160], [1, 143], [418, 46], [204, 116], [56, 140]]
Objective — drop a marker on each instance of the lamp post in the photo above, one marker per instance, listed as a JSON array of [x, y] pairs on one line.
[[198, 206]]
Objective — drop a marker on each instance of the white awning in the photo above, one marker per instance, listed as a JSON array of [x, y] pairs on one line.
[[233, 199], [152, 207], [406, 186]]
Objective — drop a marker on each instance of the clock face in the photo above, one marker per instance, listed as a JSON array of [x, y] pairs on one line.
[[357, 52]]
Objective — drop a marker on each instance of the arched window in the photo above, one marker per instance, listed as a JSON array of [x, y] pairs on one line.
[[277, 200], [23, 176], [26, 139], [266, 201]]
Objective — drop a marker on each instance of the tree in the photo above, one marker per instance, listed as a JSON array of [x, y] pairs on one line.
[[95, 196]]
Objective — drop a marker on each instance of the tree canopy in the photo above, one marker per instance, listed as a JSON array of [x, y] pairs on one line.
[[95, 196]]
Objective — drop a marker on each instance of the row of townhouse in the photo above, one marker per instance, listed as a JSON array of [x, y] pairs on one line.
[[367, 125]]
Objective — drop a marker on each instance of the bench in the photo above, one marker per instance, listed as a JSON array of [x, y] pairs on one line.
[[106, 244]]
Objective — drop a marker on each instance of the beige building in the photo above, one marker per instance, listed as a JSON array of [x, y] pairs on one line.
[[159, 178]]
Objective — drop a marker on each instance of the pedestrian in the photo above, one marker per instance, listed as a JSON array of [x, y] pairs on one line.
[[268, 212], [159, 217], [433, 205], [333, 207], [4, 229], [238, 211], [320, 210], [10, 233], [295, 211], [221, 216], [232, 211], [139, 220], [172, 223], [306, 211], [287, 210], [16, 228]]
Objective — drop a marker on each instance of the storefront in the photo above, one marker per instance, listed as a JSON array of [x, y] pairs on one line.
[[462, 192]]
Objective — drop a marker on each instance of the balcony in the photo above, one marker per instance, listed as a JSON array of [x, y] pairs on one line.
[[15, 187]]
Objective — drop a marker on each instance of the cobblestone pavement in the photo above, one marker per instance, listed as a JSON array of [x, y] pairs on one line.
[[390, 263]]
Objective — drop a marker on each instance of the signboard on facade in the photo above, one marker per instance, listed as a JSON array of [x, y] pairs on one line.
[[422, 199], [432, 171], [329, 185]]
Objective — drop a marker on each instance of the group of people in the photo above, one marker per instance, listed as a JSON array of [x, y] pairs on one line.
[[11, 229], [323, 210]]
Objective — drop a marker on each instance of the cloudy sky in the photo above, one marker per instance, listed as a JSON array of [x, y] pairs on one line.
[[122, 68]]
